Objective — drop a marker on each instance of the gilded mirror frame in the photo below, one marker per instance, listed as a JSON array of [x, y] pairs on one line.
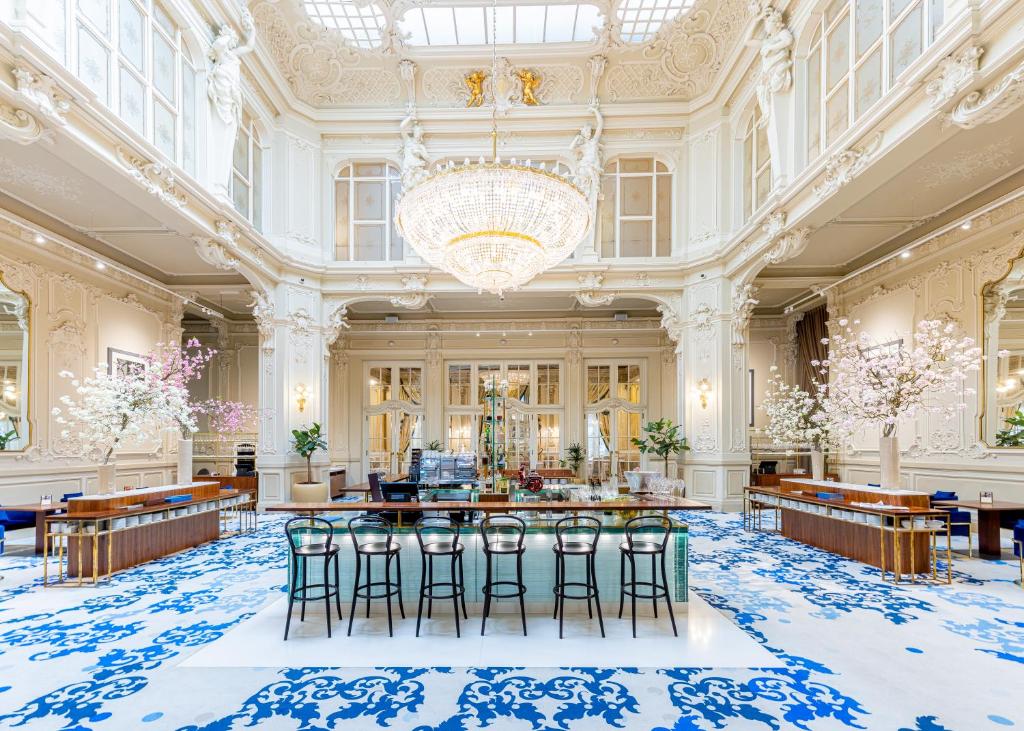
[[983, 330], [26, 441]]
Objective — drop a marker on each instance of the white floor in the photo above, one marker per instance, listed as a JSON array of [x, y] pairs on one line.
[[706, 639]]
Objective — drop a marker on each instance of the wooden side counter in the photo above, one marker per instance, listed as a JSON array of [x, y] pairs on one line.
[[892, 530], [102, 534]]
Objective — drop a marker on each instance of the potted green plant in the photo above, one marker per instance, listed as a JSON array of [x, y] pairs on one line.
[[434, 445], [574, 456], [1013, 434], [306, 442], [5, 439], [662, 438]]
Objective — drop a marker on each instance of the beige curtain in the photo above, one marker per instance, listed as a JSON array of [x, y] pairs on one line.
[[809, 333], [405, 429], [597, 391]]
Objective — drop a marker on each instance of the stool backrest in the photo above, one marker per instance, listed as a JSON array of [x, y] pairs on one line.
[[500, 527], [578, 529], [438, 529], [648, 529], [370, 529], [309, 531]]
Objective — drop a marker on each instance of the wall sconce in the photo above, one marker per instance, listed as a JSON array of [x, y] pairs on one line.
[[703, 392], [301, 394]]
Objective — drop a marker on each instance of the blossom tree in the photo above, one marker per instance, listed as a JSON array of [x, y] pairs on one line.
[[796, 416], [113, 408], [873, 384]]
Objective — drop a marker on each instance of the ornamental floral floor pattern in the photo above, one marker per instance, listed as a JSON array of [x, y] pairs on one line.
[[859, 653]]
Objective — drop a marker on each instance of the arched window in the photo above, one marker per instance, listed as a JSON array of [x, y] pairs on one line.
[[757, 168], [858, 50], [130, 53], [636, 209], [247, 173], [364, 209]]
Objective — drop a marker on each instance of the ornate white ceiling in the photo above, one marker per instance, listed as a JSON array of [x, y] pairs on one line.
[[324, 69]]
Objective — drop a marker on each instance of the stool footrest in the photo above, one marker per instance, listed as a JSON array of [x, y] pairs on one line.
[[658, 591]]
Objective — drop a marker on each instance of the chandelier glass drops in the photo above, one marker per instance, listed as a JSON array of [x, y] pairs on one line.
[[494, 225]]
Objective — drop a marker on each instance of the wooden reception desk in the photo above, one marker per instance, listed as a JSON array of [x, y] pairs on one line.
[[108, 533], [865, 532]]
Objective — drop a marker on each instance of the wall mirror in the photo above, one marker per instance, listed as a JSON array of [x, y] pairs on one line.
[[1002, 382], [14, 373]]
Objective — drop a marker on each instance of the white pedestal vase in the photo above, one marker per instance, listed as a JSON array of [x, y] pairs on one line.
[[889, 462], [817, 464], [184, 461], [107, 478]]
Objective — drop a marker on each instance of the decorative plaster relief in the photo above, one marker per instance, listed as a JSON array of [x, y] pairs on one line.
[[158, 179], [992, 104], [787, 245], [214, 253], [42, 94], [844, 166], [415, 296], [744, 300], [588, 292], [955, 72]]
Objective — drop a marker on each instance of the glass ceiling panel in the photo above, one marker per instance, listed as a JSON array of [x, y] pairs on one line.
[[468, 25], [361, 26], [641, 19]]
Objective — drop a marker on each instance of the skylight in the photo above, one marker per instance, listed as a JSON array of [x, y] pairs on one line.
[[641, 19], [359, 25], [471, 26]]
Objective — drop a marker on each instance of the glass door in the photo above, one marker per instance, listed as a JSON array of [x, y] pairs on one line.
[[610, 448], [391, 437]]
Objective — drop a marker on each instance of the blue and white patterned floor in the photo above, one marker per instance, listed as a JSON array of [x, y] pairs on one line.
[[859, 653]]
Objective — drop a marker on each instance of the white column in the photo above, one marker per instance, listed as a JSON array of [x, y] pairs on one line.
[[292, 355], [718, 466]]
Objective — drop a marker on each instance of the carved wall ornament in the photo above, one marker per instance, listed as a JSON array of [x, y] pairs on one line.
[[991, 104], [744, 300], [774, 223], [214, 253], [787, 245], [672, 323], [158, 179], [968, 164], [955, 72], [407, 70], [529, 80], [589, 292], [703, 318], [597, 65], [415, 296], [337, 322], [226, 232], [263, 312], [844, 166], [21, 127], [42, 94]]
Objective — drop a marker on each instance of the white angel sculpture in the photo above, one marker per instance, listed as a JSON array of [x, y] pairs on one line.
[[586, 149]]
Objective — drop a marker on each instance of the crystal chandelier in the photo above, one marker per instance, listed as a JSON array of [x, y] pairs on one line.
[[493, 225]]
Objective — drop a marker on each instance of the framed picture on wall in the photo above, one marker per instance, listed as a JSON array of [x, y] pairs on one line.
[[123, 363]]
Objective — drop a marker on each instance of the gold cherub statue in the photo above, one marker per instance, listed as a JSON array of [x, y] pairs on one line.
[[475, 84], [530, 83]]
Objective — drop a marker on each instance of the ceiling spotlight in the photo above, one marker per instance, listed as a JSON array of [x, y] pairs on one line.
[[478, 334], [966, 225], [905, 255], [530, 333], [40, 239], [100, 265]]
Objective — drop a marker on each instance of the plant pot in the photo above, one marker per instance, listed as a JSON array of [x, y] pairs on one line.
[[310, 492], [817, 464], [889, 462], [107, 478], [184, 462]]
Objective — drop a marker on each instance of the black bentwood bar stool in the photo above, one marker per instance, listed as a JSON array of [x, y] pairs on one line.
[[311, 538], [439, 538], [646, 535], [503, 535], [372, 537], [576, 536]]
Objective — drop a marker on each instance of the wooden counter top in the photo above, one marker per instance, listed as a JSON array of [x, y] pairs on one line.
[[139, 509], [664, 503], [844, 504]]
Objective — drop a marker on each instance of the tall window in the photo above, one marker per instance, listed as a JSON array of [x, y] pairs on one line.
[[757, 172], [393, 414], [364, 206], [859, 49], [130, 54], [636, 209], [246, 173]]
